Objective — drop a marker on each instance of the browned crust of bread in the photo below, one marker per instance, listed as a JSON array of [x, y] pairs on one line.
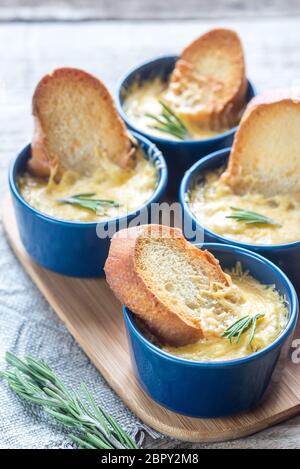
[[224, 114], [133, 288], [233, 175], [42, 161]]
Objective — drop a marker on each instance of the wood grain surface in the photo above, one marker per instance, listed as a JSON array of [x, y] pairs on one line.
[[93, 316]]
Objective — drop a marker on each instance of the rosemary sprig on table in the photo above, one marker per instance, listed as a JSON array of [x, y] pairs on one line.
[[84, 200], [33, 380], [241, 326], [250, 217], [168, 123]]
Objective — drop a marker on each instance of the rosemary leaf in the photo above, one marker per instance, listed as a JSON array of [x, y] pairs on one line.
[[167, 131], [98, 412], [33, 380], [84, 200], [60, 417], [81, 443], [249, 217], [98, 443], [169, 123], [241, 326]]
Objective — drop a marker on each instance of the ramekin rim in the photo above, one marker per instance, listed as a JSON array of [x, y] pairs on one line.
[[161, 185], [280, 339]]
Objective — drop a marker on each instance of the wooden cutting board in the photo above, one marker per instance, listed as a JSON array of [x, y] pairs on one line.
[[93, 316]]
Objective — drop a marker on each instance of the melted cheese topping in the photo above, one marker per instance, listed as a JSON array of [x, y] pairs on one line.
[[143, 98], [246, 296], [131, 188], [211, 200]]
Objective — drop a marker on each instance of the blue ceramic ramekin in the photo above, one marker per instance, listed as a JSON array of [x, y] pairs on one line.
[[179, 155], [286, 256], [74, 248], [214, 389]]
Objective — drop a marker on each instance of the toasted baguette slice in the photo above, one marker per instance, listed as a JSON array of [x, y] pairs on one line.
[[265, 156], [208, 86], [156, 273], [76, 123]]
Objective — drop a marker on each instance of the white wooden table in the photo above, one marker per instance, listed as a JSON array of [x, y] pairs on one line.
[[28, 50]]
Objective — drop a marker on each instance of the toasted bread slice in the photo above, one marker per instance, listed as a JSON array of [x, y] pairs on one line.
[[156, 273], [208, 85], [265, 156], [76, 124]]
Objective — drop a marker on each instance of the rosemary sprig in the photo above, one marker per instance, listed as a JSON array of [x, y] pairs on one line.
[[84, 201], [33, 380], [241, 326], [168, 123], [250, 217]]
